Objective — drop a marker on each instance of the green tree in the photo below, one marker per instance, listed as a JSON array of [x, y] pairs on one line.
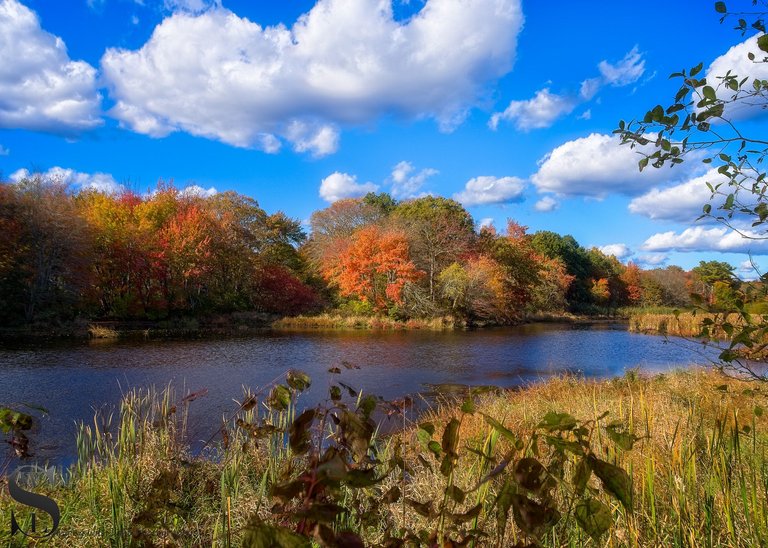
[[440, 230]]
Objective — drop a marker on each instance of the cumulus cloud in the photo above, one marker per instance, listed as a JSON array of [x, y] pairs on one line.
[[737, 61], [546, 107], [198, 191], [318, 139], [699, 238], [539, 112], [101, 182], [748, 271], [652, 260], [486, 190], [598, 165], [627, 71], [546, 204], [681, 202], [485, 222], [620, 251], [41, 88], [406, 182], [343, 185], [342, 63]]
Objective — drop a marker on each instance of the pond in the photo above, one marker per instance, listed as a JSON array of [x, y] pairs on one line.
[[75, 379]]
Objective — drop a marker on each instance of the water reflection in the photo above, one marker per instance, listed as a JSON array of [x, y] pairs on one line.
[[73, 380]]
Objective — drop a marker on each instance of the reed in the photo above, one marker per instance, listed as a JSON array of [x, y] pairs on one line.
[[339, 321], [698, 467]]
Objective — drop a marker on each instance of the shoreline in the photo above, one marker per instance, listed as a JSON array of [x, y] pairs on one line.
[[190, 328]]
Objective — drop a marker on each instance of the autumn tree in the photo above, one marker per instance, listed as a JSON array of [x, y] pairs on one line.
[[633, 283], [50, 254], [375, 267], [440, 231]]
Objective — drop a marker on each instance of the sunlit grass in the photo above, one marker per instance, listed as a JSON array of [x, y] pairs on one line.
[[699, 468]]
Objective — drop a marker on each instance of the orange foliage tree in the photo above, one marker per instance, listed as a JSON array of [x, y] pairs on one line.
[[633, 283], [375, 266]]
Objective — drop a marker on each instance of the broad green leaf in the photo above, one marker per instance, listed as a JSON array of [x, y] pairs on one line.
[[581, 475], [557, 421], [593, 517], [496, 425], [260, 535], [615, 480], [762, 42], [298, 380], [279, 398], [451, 437]]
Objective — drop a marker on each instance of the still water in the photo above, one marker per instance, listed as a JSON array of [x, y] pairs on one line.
[[74, 380]]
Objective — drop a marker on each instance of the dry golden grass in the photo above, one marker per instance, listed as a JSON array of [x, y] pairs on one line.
[[699, 470], [699, 467], [338, 321]]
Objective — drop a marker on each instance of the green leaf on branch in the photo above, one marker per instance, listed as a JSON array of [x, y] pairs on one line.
[[279, 398], [720, 7], [615, 480], [593, 517], [762, 42]]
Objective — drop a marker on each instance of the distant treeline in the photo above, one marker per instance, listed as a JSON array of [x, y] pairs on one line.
[[66, 255]]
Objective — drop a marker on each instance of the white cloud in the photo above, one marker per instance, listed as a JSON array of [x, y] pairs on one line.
[[406, 183], [341, 63], [589, 88], [101, 182], [681, 202], [736, 61], [598, 165], [196, 190], [486, 190], [708, 239], [627, 71], [342, 185], [586, 115], [620, 251], [539, 112], [40, 86], [546, 107], [4, 151], [546, 204], [318, 139], [652, 260], [485, 222], [748, 271]]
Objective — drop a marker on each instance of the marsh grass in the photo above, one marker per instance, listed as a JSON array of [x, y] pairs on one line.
[[698, 467], [340, 321]]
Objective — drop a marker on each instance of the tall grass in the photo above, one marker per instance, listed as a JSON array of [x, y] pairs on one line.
[[698, 466], [339, 321], [683, 325]]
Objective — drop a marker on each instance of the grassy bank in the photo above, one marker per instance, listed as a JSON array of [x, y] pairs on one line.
[[693, 445], [685, 324], [339, 321]]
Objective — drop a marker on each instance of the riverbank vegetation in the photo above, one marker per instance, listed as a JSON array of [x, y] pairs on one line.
[[672, 460], [88, 260]]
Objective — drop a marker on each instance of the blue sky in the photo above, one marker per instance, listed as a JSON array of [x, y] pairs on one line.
[[506, 106]]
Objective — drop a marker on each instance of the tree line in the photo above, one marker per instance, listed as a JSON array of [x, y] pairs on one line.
[[66, 255]]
